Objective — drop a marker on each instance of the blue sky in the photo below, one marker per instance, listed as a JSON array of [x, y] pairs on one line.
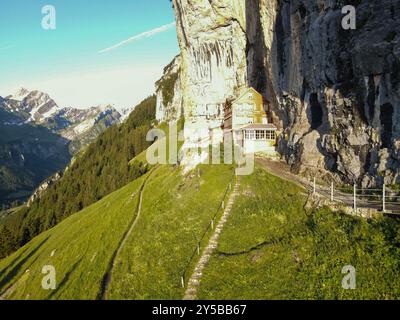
[[68, 62]]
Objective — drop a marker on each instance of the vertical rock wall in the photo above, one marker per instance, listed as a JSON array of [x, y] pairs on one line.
[[213, 47], [334, 92], [337, 91], [168, 90]]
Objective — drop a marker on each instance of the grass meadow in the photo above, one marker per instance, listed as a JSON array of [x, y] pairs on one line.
[[80, 248], [272, 248], [176, 210]]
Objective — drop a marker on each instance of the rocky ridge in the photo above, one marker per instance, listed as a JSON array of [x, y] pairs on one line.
[[81, 126]]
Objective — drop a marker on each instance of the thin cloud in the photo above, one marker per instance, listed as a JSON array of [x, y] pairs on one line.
[[140, 36]]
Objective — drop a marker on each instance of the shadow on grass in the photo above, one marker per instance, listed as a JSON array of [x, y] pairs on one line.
[[256, 247], [65, 279], [11, 264], [14, 271]]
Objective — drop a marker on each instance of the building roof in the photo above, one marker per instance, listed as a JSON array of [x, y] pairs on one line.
[[244, 91], [259, 126]]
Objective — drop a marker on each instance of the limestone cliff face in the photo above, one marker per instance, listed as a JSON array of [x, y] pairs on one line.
[[335, 93], [213, 48], [169, 95]]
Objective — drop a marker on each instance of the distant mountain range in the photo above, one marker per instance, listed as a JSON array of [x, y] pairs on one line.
[[38, 138], [80, 126]]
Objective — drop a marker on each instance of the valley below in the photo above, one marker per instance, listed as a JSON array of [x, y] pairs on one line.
[[39, 139]]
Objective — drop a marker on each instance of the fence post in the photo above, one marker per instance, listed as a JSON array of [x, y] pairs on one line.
[[212, 224], [198, 249], [182, 282], [332, 191], [314, 188], [384, 198], [355, 198], [223, 205]]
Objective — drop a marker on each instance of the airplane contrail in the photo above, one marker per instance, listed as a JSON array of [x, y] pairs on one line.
[[140, 36]]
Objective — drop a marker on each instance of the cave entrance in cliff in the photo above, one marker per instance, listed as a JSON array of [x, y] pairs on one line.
[[316, 112], [386, 118]]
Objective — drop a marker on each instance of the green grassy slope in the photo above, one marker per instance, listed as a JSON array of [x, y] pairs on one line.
[[271, 248], [101, 168], [80, 248], [176, 211]]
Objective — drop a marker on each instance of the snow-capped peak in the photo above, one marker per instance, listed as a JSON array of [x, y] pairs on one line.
[[105, 107], [39, 108], [20, 95], [34, 106]]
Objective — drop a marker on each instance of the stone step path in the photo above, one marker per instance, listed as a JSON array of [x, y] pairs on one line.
[[194, 281]]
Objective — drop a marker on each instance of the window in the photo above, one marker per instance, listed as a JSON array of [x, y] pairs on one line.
[[271, 135], [249, 135], [260, 134]]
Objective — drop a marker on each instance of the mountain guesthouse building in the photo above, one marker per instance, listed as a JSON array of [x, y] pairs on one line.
[[247, 118]]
